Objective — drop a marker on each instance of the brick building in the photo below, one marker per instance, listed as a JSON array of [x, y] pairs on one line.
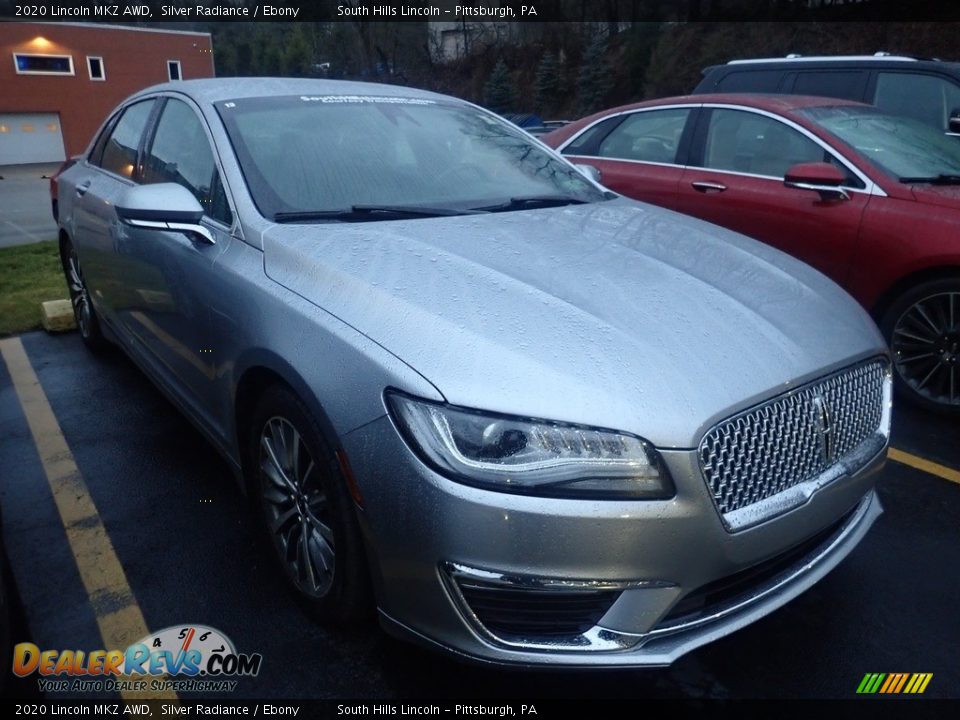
[[58, 80]]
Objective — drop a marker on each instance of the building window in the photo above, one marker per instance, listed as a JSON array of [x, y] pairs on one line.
[[28, 64], [95, 68], [173, 70]]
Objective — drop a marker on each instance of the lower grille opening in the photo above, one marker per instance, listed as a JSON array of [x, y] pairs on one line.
[[536, 613], [704, 600]]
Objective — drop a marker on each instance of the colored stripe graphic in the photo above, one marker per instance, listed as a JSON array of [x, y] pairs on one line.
[[894, 683]]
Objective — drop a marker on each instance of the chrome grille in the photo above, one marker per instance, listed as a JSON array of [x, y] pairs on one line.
[[793, 438]]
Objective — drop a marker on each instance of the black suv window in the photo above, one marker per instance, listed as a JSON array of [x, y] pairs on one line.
[[761, 81], [846, 84], [119, 154], [180, 153], [927, 98]]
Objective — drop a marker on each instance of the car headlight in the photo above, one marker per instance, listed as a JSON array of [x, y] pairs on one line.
[[536, 457]]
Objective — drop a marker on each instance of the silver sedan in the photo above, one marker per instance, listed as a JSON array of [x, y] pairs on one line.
[[528, 420]]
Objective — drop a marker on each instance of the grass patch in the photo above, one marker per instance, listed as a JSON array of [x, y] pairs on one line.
[[29, 275]]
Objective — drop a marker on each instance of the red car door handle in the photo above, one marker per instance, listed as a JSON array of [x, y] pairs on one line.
[[707, 187], [82, 188]]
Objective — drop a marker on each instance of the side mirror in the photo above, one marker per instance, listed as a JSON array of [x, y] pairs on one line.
[[953, 124], [821, 177], [164, 206], [591, 172]]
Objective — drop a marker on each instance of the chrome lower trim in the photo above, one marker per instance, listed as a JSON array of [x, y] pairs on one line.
[[599, 639], [595, 639], [852, 531]]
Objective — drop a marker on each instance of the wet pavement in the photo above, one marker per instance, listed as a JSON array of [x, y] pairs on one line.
[[25, 215], [184, 537]]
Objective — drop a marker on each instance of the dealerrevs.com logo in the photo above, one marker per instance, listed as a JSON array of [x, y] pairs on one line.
[[178, 658]]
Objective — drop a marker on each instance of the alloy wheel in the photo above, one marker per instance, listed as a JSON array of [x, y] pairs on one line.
[[296, 507], [926, 347], [79, 295]]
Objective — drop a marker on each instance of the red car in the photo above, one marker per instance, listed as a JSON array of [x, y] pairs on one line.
[[871, 200]]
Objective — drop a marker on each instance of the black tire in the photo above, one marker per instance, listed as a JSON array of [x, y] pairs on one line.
[[83, 312], [333, 583], [922, 327]]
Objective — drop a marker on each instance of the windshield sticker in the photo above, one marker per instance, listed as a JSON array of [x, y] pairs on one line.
[[366, 99]]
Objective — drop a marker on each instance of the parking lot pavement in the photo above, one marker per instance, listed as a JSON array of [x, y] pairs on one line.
[[182, 534], [25, 215]]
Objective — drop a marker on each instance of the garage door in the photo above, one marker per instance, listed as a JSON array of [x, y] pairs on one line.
[[30, 138]]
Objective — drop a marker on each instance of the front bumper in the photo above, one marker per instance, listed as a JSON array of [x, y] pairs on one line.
[[613, 583]]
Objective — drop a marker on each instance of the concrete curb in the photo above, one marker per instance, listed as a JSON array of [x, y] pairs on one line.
[[57, 316]]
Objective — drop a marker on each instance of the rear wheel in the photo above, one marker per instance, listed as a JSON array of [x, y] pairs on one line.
[[923, 329], [305, 508]]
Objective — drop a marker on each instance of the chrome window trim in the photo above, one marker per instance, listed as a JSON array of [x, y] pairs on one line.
[[871, 187], [624, 160]]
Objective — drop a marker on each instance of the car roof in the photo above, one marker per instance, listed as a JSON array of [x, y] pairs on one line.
[[212, 90], [761, 101]]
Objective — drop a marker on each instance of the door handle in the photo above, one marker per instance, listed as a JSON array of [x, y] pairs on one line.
[[707, 187], [82, 188]]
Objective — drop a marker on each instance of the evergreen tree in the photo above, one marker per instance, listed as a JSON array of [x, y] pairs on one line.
[[547, 88], [498, 92], [299, 58], [269, 58], [595, 80], [225, 60]]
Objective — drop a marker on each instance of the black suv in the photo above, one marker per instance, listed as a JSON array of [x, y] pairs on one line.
[[927, 90]]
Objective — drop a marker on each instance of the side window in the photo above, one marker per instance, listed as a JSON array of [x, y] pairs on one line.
[[749, 143], [180, 153], [926, 98], [763, 81], [96, 155], [847, 84], [120, 150], [649, 136], [586, 143]]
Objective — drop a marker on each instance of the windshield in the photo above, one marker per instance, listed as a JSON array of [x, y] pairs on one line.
[[357, 158], [909, 150]]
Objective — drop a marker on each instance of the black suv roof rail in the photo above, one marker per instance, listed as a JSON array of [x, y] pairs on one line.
[[794, 57]]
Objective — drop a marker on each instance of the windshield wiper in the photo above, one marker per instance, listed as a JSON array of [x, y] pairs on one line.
[[533, 201], [366, 213], [942, 179]]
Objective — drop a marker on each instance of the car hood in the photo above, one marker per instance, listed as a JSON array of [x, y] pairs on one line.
[[941, 195], [616, 314]]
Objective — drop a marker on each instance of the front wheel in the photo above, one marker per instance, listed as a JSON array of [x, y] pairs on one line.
[[305, 508], [85, 316], [922, 327]]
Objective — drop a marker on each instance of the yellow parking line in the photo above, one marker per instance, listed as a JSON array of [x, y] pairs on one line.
[[119, 617], [928, 466]]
